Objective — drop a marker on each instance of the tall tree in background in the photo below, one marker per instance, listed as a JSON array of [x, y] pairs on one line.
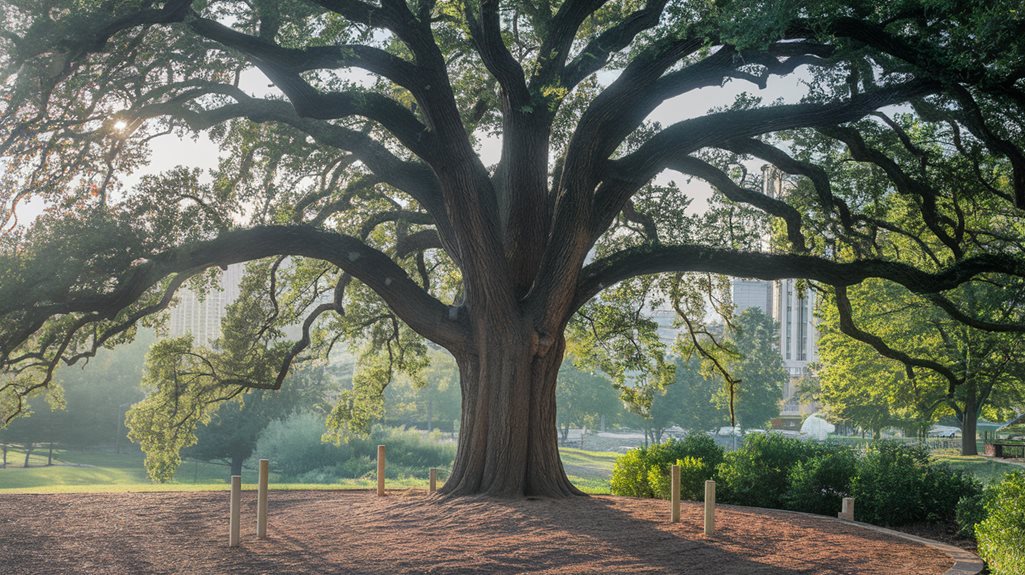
[[688, 402], [432, 403], [584, 399], [757, 367], [401, 227], [235, 427], [991, 365]]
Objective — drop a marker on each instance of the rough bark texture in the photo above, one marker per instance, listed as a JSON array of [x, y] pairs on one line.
[[508, 444], [969, 425]]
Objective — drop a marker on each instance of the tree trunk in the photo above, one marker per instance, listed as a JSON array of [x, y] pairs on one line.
[[236, 464], [5, 456], [49, 455], [508, 439], [969, 426], [28, 452]]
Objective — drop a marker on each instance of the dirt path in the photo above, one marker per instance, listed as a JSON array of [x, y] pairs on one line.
[[354, 532]]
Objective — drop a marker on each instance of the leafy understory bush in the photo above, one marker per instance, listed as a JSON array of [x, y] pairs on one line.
[[1001, 535], [819, 484], [644, 472], [693, 473], [971, 510], [896, 484], [757, 473]]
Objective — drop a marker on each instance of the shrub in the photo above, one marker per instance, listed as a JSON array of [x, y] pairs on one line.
[[1001, 535], [630, 474], [944, 490], [895, 485], [693, 473], [971, 510], [756, 473], [293, 445], [644, 472], [819, 484]]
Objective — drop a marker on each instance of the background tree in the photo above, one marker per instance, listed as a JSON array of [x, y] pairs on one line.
[[990, 364], [87, 408], [689, 402], [433, 404], [234, 429], [758, 368], [401, 225], [584, 399]]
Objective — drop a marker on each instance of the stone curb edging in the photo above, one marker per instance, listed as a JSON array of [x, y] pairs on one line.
[[965, 562]]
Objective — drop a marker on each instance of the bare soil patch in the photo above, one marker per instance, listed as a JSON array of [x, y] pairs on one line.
[[320, 532]]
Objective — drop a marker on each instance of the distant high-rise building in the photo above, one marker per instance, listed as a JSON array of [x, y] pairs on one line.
[[749, 294], [201, 315], [793, 310]]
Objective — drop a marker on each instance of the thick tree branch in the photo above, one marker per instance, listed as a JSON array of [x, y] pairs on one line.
[[632, 262], [625, 176], [424, 314], [849, 328], [596, 53]]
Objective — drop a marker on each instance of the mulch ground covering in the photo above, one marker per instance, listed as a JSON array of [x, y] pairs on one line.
[[318, 532]]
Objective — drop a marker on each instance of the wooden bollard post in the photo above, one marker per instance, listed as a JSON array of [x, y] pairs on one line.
[[709, 507], [261, 500], [234, 510], [675, 495], [380, 471], [847, 511], [434, 480]]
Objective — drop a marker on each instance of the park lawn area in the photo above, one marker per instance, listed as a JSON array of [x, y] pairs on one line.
[[79, 469], [589, 470], [101, 472], [985, 469]]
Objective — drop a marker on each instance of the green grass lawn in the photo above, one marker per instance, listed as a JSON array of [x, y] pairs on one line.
[[986, 469], [98, 472], [74, 469], [588, 470]]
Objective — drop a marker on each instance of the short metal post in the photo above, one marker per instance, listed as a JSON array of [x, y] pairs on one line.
[[261, 500], [380, 471], [234, 510], [709, 507], [434, 480], [675, 495]]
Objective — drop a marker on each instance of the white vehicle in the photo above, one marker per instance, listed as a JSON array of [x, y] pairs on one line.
[[728, 431]]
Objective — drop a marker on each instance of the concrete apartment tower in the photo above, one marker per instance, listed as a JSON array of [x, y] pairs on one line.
[[793, 310], [201, 315]]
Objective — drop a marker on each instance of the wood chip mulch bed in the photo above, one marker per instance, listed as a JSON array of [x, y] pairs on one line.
[[322, 532]]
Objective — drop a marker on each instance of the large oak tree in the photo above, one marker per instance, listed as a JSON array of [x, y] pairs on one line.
[[357, 155]]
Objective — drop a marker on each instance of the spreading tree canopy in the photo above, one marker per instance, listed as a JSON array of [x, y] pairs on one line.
[[353, 174], [991, 364]]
